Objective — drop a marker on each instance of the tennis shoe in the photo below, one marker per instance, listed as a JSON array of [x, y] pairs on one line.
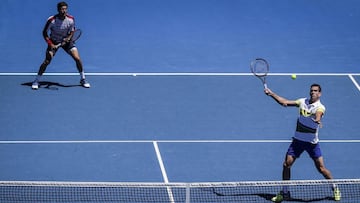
[[337, 194], [35, 85], [84, 83], [281, 196]]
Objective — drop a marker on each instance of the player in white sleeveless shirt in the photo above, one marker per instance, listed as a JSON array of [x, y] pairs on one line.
[[306, 137], [60, 27]]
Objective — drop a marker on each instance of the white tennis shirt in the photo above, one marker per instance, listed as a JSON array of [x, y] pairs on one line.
[[306, 129], [59, 29]]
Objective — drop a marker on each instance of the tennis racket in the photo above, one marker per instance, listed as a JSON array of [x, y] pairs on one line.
[[260, 68], [76, 35]]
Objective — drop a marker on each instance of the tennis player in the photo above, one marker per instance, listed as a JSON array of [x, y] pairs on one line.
[[306, 136], [61, 27]]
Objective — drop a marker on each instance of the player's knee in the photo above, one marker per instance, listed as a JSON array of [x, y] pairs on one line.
[[286, 164], [76, 57]]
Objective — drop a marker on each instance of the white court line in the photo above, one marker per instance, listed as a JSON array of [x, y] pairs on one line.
[[177, 74], [163, 171], [161, 163], [354, 81], [158, 141]]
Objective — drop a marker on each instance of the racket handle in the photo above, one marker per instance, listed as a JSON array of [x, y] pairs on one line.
[[265, 86]]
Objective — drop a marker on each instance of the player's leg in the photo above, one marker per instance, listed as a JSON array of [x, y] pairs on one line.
[[316, 154], [74, 53], [320, 166], [286, 173], [284, 194], [289, 161], [48, 57], [295, 150]]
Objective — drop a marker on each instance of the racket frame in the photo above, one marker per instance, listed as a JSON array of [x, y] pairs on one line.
[[262, 77]]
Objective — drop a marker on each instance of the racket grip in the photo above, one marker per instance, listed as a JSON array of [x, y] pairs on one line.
[[265, 86]]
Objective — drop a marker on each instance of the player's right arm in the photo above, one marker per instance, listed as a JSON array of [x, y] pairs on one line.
[[45, 33], [280, 100]]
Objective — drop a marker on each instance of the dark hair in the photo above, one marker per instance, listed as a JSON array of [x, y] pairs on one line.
[[316, 85], [61, 4]]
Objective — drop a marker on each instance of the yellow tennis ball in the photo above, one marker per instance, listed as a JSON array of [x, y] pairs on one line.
[[293, 76]]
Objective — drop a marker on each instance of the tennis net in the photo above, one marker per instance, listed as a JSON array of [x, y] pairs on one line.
[[249, 191]]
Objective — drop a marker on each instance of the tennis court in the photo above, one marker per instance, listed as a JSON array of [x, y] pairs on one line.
[[193, 112]]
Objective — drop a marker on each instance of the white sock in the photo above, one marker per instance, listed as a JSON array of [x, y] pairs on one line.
[[82, 75], [37, 78]]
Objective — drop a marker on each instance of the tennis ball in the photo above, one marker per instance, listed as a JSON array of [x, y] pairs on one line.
[[293, 76]]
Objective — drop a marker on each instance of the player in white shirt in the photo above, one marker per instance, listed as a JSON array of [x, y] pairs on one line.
[[306, 136], [61, 27]]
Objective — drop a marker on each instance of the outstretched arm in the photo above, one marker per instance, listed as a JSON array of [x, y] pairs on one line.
[[280, 100]]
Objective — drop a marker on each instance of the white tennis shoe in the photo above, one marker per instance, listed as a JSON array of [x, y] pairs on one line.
[[35, 85], [84, 83]]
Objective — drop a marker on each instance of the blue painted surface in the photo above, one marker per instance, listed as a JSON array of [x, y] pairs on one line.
[[174, 108], [189, 36], [177, 36]]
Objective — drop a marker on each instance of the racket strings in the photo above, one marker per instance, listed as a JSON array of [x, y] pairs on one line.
[[76, 35], [259, 68]]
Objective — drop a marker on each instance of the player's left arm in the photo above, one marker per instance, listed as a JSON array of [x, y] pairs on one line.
[[68, 38], [71, 31], [318, 115]]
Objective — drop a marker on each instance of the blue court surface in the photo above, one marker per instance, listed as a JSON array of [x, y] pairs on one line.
[[199, 127], [193, 112]]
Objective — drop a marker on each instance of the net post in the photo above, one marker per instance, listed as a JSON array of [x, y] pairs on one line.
[[187, 198]]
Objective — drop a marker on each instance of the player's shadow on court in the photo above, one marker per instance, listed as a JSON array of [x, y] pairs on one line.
[[50, 85], [268, 197]]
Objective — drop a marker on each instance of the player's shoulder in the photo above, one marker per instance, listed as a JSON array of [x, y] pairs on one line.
[[51, 18], [320, 105], [301, 100], [70, 16]]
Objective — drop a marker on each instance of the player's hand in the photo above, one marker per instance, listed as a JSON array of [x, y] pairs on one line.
[[268, 91], [66, 40], [318, 122]]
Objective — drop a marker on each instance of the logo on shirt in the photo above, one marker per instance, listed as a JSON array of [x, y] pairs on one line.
[[305, 113]]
